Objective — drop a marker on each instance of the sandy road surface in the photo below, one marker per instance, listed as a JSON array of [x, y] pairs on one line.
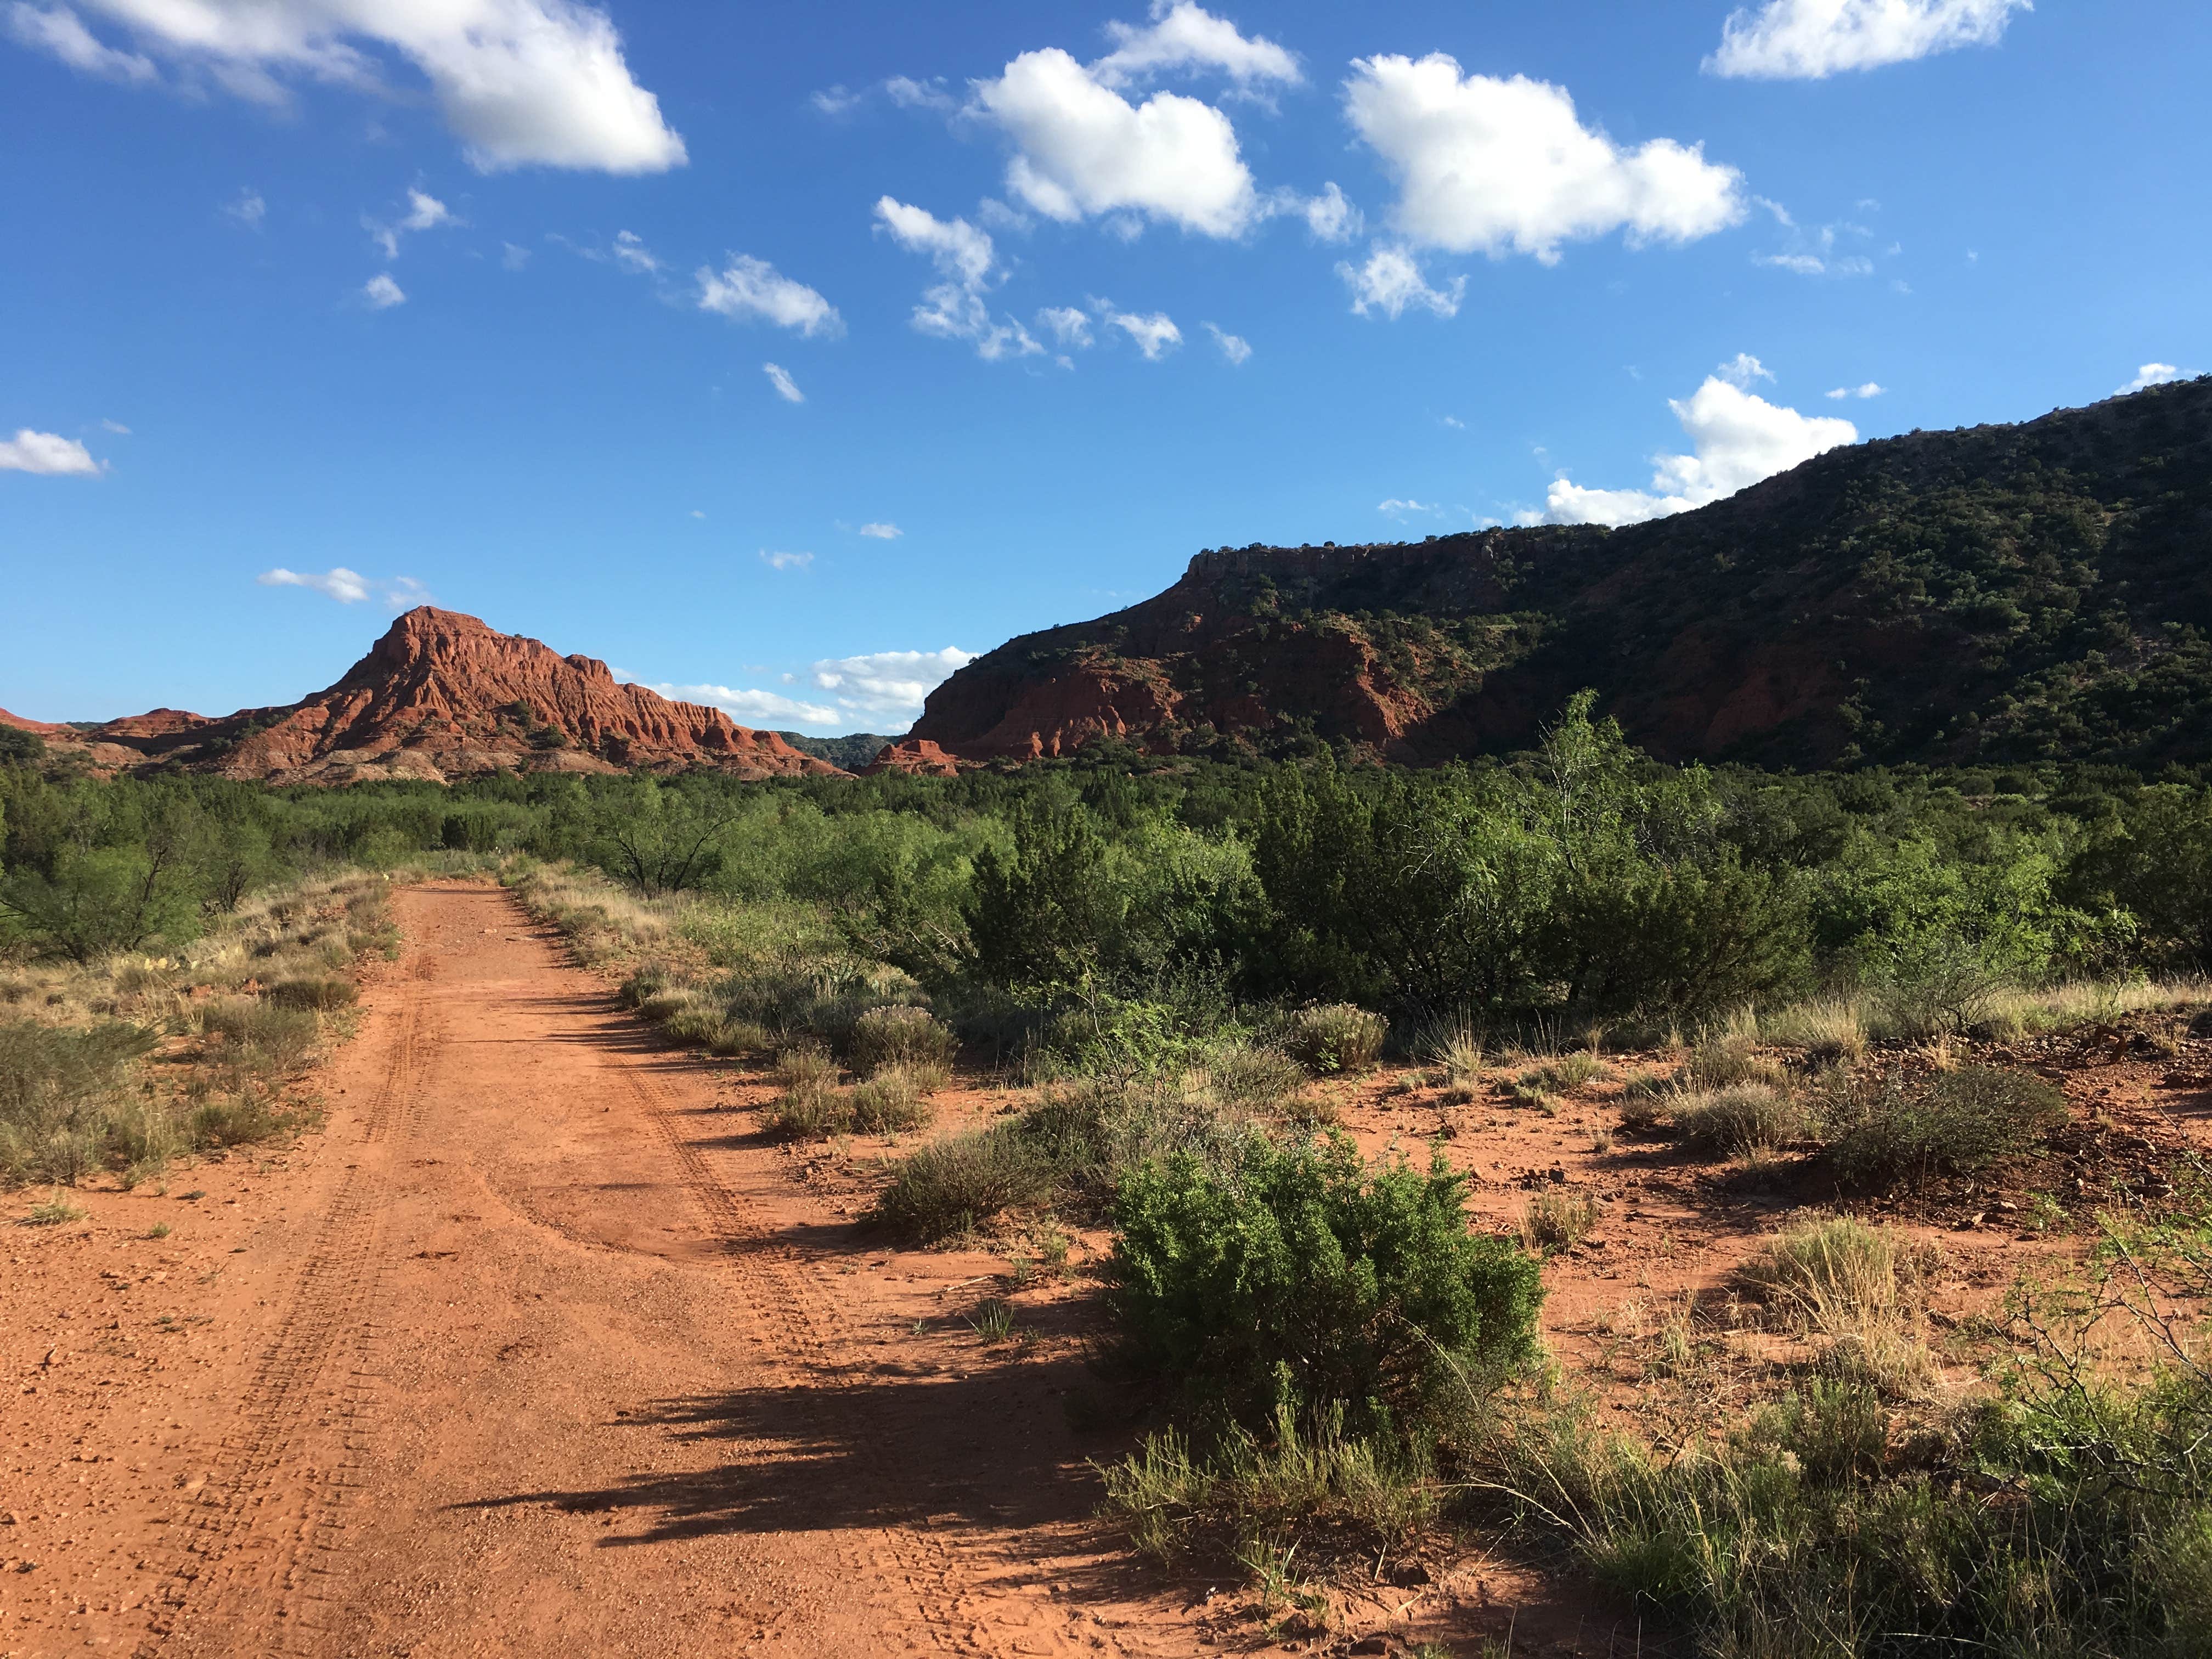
[[537, 1349]]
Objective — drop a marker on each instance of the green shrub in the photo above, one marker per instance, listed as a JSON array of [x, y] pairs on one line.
[[889, 1103], [1741, 1121], [1891, 1130], [1253, 1076], [1337, 1037], [238, 1122], [1302, 1278], [899, 1037], [957, 1184], [264, 1036]]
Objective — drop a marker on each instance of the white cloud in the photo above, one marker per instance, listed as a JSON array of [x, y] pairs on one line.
[[1069, 324], [1398, 507], [1870, 390], [1330, 216], [785, 387], [1234, 347], [61, 33], [344, 586], [1156, 334], [46, 452], [955, 309], [513, 256], [882, 532], [837, 100], [424, 212], [1183, 36], [892, 683], [248, 208], [1454, 423], [779, 560], [1816, 254], [1738, 438], [750, 707], [1081, 149], [116, 426], [1742, 369], [521, 82], [1391, 283], [1506, 166], [1811, 39], [749, 289], [631, 253], [381, 292], [2149, 374]]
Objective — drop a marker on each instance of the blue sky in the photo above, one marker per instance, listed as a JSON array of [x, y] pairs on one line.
[[477, 302]]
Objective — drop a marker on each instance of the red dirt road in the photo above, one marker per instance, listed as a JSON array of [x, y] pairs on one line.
[[536, 1348]]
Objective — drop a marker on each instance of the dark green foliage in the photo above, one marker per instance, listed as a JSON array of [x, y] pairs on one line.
[[853, 751], [1300, 1277], [1953, 1123]]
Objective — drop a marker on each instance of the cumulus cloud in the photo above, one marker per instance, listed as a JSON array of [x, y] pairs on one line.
[[1870, 390], [1082, 149], [1506, 165], [344, 586], [60, 33], [879, 687], [785, 387], [753, 290], [888, 683], [1811, 39], [746, 706], [631, 253], [1737, 437], [1391, 283], [381, 292], [520, 82], [46, 452], [1398, 507], [1742, 369], [1234, 347], [966, 258], [781, 561], [1330, 215], [1183, 36], [2148, 376], [882, 532]]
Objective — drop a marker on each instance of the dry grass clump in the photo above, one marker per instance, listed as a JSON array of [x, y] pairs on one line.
[[1564, 1072], [1553, 1221], [1335, 1036], [890, 1102], [1723, 1059], [1892, 1129], [1744, 1121], [1860, 1290], [1455, 1051], [1827, 1030]]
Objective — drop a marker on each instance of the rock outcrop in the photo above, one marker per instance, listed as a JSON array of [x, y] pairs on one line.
[[1995, 595], [440, 696]]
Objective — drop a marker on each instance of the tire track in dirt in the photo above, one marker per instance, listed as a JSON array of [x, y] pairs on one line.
[[252, 1539], [765, 1274]]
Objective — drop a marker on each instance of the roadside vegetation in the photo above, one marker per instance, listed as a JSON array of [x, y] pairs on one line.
[[1172, 972]]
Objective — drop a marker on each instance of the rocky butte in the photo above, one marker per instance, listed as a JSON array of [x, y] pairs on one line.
[[1993, 595], [440, 696]]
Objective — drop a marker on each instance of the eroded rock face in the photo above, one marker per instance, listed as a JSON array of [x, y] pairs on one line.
[[442, 696]]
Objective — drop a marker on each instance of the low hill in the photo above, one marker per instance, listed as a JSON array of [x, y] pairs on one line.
[[852, 752], [1999, 593], [442, 696]]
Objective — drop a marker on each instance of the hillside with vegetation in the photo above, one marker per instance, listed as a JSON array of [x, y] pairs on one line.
[[1998, 595]]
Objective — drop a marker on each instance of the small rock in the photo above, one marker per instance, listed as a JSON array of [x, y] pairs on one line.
[[1968, 1224]]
